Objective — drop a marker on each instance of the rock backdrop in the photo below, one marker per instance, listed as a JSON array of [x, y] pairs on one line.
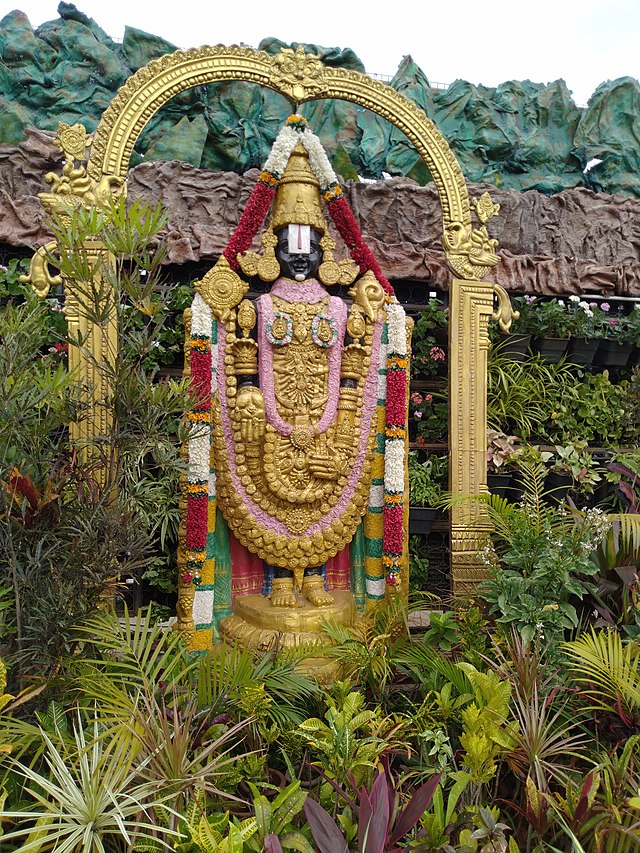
[[519, 135], [574, 241]]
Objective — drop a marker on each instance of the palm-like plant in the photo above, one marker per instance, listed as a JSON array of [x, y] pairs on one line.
[[141, 680], [132, 653], [545, 739], [227, 676], [609, 671], [180, 748], [367, 651], [92, 798]]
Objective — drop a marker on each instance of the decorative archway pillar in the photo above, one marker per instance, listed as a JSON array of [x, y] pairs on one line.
[[471, 306]]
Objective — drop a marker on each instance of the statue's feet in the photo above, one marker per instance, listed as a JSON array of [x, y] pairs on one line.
[[313, 589], [282, 594]]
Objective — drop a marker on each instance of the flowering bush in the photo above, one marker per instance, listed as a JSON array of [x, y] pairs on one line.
[[583, 319], [430, 413], [623, 328], [525, 306], [541, 561], [548, 318], [428, 356]]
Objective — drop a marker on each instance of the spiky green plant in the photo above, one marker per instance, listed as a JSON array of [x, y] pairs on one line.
[[92, 798]]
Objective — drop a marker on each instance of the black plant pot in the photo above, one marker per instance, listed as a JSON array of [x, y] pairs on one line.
[[420, 519], [515, 492], [514, 347], [613, 354], [634, 358], [550, 350], [582, 350], [499, 484], [556, 486]]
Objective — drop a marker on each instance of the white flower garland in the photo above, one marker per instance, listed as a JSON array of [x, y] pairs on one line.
[[397, 328], [200, 317], [200, 433], [279, 155], [199, 450], [318, 159], [286, 141]]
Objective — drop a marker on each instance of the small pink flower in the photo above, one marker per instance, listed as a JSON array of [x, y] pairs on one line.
[[417, 415], [420, 440], [428, 398], [416, 398], [605, 306], [437, 354], [613, 322]]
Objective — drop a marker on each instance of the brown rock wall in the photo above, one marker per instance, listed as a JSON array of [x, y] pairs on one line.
[[574, 241]]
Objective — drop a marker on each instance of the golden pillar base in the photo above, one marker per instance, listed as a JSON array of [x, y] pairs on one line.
[[257, 625]]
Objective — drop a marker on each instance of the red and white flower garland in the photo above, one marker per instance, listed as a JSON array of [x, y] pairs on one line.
[[199, 485]]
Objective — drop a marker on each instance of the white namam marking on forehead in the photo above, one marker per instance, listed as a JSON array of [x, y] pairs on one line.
[[299, 239]]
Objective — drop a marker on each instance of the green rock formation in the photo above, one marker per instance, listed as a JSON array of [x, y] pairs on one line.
[[519, 135]]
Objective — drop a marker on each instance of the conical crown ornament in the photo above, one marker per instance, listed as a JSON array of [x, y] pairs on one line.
[[297, 200]]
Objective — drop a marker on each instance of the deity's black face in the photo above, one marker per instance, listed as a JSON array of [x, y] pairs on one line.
[[297, 265]]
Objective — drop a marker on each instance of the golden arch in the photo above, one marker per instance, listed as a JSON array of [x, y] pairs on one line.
[[299, 77], [470, 252]]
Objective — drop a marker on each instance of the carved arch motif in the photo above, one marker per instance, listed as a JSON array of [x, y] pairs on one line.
[[299, 77]]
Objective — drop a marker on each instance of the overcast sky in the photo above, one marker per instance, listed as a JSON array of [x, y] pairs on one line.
[[583, 42]]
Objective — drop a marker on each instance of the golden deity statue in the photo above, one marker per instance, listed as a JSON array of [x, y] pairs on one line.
[[295, 492]]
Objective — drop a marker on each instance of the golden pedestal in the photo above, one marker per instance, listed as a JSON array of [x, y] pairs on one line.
[[257, 625]]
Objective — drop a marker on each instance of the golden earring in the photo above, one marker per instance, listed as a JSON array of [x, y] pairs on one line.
[[265, 265], [328, 271]]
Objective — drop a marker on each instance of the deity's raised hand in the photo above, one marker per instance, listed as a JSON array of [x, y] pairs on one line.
[[250, 411]]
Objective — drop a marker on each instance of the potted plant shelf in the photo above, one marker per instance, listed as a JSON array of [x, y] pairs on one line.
[[427, 481], [501, 453]]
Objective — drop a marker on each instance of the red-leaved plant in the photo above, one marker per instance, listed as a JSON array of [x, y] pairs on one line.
[[381, 824]]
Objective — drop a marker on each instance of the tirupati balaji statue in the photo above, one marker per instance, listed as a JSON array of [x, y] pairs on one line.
[[296, 484]]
